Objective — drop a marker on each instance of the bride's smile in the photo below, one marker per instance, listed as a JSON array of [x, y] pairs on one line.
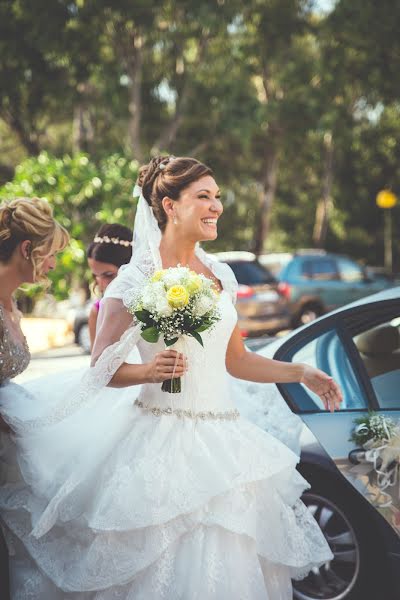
[[195, 214]]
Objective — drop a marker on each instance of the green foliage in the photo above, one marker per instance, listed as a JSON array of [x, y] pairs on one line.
[[252, 89], [83, 195]]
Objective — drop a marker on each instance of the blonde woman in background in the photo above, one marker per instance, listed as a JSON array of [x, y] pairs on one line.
[[30, 238]]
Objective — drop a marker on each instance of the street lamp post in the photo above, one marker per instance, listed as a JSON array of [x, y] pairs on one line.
[[387, 200]]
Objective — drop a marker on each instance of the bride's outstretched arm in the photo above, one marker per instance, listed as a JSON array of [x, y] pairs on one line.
[[253, 367]]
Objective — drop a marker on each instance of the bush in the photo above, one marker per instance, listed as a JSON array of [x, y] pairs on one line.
[[84, 194]]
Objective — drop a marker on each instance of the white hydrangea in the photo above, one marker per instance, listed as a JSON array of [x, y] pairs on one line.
[[202, 305], [158, 288], [207, 283], [175, 276], [149, 297], [162, 308], [148, 300]]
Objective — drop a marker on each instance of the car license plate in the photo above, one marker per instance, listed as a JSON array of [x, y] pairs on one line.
[[270, 296]]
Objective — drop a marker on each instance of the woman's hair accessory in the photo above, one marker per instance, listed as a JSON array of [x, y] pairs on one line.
[[162, 165], [114, 240]]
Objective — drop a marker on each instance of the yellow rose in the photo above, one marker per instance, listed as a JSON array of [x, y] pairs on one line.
[[177, 296], [194, 283], [158, 275]]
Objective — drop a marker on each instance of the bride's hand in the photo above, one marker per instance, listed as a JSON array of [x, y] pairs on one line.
[[166, 365], [324, 386]]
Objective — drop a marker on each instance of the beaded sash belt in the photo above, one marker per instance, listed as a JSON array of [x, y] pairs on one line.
[[181, 413]]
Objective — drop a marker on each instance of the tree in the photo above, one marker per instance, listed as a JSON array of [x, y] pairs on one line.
[[32, 80], [280, 56]]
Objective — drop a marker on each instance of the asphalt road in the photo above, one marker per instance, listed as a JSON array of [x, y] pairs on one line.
[[71, 357], [67, 358]]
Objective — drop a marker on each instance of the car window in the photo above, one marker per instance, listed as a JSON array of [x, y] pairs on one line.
[[251, 273], [349, 270], [275, 263], [328, 353], [324, 269], [306, 269], [379, 349], [291, 271]]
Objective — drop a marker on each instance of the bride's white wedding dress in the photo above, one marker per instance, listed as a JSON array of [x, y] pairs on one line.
[[174, 496]]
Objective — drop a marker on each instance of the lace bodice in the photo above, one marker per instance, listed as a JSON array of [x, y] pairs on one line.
[[205, 386], [14, 351]]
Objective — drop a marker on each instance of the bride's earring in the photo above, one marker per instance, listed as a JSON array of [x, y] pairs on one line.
[[175, 222], [28, 252]]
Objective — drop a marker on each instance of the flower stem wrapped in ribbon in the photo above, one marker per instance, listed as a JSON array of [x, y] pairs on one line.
[[175, 302]]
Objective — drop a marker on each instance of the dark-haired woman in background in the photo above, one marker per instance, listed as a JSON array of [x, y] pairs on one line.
[[110, 249]]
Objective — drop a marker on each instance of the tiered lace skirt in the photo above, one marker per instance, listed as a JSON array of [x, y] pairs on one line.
[[163, 508]]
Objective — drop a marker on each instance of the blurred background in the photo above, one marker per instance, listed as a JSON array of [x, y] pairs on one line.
[[295, 104]]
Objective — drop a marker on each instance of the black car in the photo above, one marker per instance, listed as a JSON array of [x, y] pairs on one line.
[[261, 307], [356, 504]]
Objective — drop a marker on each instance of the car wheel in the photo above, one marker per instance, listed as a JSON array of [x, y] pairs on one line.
[[308, 313], [354, 570], [83, 338]]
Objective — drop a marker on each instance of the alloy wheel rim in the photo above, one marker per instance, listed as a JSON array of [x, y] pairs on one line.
[[333, 580], [308, 316]]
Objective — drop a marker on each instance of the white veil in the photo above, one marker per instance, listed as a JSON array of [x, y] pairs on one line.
[[116, 334], [114, 319], [65, 425]]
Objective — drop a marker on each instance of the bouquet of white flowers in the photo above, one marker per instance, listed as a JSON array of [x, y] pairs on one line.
[[372, 429], [175, 302]]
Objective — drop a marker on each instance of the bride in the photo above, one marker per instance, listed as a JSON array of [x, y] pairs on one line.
[[124, 497]]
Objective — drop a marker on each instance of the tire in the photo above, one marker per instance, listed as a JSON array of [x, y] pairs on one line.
[[308, 313], [357, 567], [83, 338]]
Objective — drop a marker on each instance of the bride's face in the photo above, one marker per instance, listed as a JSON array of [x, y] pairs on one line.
[[198, 209]]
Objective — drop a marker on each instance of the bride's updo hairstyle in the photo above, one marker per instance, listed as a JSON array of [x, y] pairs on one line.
[[30, 219], [168, 176]]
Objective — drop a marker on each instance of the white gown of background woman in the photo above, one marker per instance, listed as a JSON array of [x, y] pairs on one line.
[[140, 502]]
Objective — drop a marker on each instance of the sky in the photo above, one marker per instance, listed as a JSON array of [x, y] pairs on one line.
[[325, 6]]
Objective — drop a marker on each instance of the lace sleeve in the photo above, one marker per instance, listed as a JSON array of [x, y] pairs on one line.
[[112, 322]]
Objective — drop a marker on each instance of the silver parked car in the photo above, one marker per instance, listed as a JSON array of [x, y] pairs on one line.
[[261, 307], [359, 345]]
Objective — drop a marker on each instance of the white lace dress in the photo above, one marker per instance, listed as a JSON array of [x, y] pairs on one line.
[[176, 498]]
